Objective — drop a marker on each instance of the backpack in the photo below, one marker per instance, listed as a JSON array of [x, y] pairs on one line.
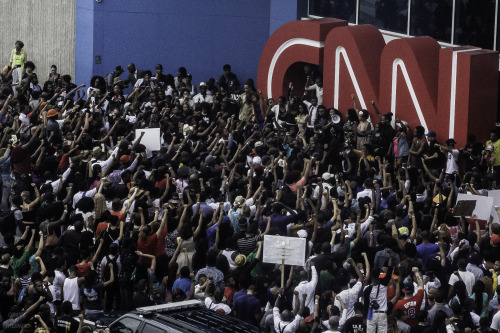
[[8, 222], [127, 265], [107, 272]]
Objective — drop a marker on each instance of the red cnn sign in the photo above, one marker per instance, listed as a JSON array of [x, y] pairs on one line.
[[452, 91]]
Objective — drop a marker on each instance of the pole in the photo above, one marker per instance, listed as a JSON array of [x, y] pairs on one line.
[[282, 273]]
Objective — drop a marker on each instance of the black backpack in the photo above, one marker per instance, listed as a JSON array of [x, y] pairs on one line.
[[127, 267], [8, 222], [107, 272]]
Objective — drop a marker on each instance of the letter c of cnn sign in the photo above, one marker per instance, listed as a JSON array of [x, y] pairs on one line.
[[452, 91]]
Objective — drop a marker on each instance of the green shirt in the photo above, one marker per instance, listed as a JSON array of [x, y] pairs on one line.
[[16, 263], [326, 280], [255, 271]]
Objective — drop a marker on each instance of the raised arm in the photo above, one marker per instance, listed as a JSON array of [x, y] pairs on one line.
[[111, 275], [395, 299], [183, 218], [377, 111], [356, 268], [98, 251], [268, 227], [38, 252], [43, 269], [152, 257], [32, 240], [32, 140], [163, 222]]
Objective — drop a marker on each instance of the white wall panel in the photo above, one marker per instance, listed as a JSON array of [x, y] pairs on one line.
[[47, 29]]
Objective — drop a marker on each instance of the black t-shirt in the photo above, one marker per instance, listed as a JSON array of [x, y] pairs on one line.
[[354, 324], [418, 329], [109, 236], [434, 163], [121, 191], [490, 253], [93, 296], [387, 133], [141, 300], [320, 261], [6, 272], [49, 163], [66, 324], [6, 303]]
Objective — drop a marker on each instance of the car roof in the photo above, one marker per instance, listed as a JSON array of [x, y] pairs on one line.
[[192, 316]]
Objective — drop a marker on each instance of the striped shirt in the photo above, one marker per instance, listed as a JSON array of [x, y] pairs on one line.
[[247, 245]]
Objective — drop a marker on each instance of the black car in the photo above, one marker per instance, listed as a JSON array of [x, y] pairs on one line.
[[180, 317]]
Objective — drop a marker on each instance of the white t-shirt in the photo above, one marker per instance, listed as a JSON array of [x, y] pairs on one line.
[[349, 297], [199, 98], [319, 92], [495, 323], [381, 297], [58, 281], [285, 326], [468, 279], [451, 164], [216, 306], [365, 193]]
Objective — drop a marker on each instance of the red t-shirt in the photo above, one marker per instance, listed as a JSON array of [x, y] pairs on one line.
[[100, 228], [391, 290], [147, 246], [121, 216], [472, 224], [161, 185], [21, 160], [83, 269], [229, 293], [411, 306], [160, 243], [64, 163]]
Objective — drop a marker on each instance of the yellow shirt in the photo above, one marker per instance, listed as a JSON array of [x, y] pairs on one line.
[[369, 158], [18, 59], [496, 151]]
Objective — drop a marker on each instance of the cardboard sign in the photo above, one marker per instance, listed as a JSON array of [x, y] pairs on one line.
[[464, 208], [483, 205], [496, 202], [151, 138], [290, 249]]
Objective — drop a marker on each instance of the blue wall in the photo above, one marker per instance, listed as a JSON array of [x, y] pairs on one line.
[[284, 11], [199, 35], [84, 41]]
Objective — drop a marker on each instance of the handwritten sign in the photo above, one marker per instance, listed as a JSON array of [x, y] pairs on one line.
[[290, 249]]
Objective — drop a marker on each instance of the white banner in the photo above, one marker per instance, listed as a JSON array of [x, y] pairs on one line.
[[291, 249], [151, 138]]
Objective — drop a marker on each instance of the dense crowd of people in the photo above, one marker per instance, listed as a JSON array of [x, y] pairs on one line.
[[92, 221]]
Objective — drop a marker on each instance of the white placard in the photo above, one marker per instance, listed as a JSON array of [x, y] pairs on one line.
[[484, 205], [291, 249], [151, 138], [495, 194]]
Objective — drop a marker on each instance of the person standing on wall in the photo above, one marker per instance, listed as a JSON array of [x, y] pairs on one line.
[[18, 58]]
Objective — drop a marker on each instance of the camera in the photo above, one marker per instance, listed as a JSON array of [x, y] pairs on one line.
[[374, 304]]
